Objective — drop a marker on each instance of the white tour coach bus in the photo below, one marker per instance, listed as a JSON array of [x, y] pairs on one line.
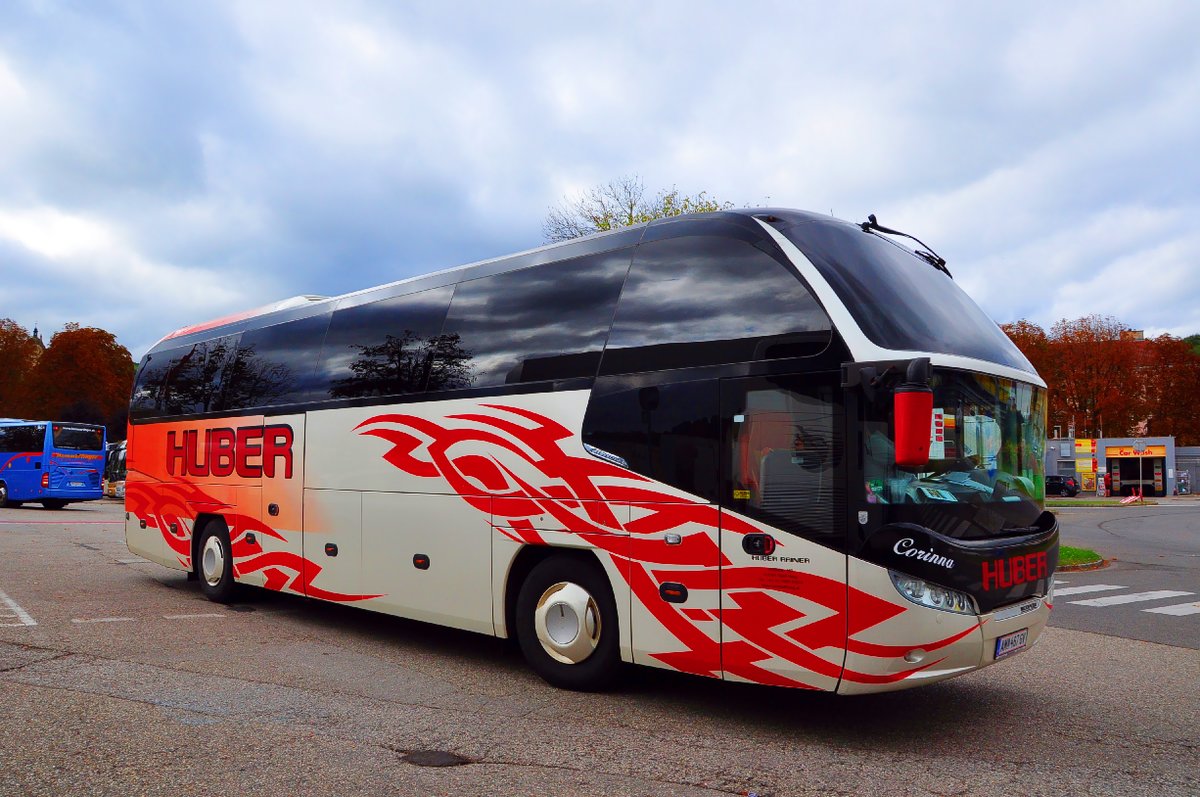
[[759, 445]]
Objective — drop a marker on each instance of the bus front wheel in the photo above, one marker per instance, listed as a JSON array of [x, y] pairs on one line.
[[214, 564], [4, 496], [567, 624]]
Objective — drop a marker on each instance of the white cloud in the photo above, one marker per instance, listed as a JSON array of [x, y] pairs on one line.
[[187, 161]]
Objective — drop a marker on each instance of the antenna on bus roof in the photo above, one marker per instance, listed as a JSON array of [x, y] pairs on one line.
[[929, 256]]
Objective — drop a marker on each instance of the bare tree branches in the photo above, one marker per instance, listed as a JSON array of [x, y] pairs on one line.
[[620, 203]]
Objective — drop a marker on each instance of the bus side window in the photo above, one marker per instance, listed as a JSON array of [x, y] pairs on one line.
[[148, 390], [667, 432], [706, 300], [539, 323], [784, 454], [193, 380], [276, 365], [385, 348], [24, 439]]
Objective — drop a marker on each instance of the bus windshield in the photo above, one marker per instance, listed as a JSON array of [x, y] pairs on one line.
[[78, 438], [986, 452], [900, 301]]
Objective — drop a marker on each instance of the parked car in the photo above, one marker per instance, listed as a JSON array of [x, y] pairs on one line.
[[1062, 485]]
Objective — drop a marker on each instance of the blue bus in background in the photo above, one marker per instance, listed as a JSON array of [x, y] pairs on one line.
[[52, 462]]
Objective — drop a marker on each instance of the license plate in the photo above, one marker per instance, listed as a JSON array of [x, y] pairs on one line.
[[1011, 643], [74, 484]]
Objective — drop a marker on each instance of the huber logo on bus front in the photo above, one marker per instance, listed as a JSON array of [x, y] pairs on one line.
[[1005, 573]]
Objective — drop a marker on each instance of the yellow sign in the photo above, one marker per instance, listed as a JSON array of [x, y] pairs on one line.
[[1085, 447], [1085, 465], [741, 495], [1127, 451]]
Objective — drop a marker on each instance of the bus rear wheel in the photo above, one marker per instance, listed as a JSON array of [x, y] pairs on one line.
[[567, 624], [4, 496], [214, 563], [53, 503]]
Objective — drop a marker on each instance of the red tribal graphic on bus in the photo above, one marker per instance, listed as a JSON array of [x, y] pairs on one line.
[[581, 494], [170, 507]]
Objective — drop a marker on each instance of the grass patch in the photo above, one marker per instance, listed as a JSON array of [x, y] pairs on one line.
[[1068, 556]]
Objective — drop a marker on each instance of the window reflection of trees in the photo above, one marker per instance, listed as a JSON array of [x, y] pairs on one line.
[[193, 380], [406, 364], [255, 381]]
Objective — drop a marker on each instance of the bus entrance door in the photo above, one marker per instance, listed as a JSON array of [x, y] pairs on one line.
[[783, 575]]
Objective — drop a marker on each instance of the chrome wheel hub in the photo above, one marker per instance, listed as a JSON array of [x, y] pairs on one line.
[[567, 622], [212, 561]]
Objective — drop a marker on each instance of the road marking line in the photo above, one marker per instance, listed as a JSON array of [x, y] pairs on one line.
[[1082, 589], [22, 616], [1137, 597], [1178, 610], [103, 620], [135, 561], [191, 616]]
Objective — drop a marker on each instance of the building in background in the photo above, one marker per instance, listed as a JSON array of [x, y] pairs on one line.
[[1129, 463]]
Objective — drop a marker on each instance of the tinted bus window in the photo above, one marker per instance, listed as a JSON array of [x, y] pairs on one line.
[[546, 322], [194, 376], [899, 300], [148, 390], [385, 348], [667, 432], [26, 439], [702, 300], [783, 451], [182, 381], [277, 365], [77, 438]]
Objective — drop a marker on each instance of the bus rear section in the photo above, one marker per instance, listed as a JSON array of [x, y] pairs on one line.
[[49, 462], [683, 445]]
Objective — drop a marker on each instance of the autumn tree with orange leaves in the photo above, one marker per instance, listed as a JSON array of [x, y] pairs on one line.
[[19, 352], [84, 375], [1108, 383]]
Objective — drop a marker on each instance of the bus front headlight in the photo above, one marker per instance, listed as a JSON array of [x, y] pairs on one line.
[[932, 596]]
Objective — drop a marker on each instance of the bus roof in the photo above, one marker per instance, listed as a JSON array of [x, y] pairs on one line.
[[590, 243]]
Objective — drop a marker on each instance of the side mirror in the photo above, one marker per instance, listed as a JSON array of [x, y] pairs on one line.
[[913, 411]]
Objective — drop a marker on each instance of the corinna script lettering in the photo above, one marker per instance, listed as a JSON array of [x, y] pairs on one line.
[[907, 547]]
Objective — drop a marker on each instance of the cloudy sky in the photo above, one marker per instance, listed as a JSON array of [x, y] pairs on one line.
[[166, 163]]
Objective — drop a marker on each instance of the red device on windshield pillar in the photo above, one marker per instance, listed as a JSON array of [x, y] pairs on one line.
[[913, 405]]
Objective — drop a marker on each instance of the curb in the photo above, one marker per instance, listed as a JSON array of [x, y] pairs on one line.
[[1099, 564]]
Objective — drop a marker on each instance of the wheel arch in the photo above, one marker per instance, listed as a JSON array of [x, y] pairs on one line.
[[198, 524], [529, 557]]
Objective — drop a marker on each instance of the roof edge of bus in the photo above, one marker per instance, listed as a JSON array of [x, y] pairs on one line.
[[507, 256], [743, 212], [300, 301], [283, 304]]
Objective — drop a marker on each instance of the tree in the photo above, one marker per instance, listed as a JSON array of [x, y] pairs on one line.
[[1102, 379], [19, 353], [1171, 383], [620, 203], [1098, 376], [1033, 343], [1194, 342], [84, 375]]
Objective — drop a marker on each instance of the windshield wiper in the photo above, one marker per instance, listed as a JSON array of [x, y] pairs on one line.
[[928, 255]]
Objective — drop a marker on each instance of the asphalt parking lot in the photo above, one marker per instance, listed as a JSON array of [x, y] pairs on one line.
[[125, 680]]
